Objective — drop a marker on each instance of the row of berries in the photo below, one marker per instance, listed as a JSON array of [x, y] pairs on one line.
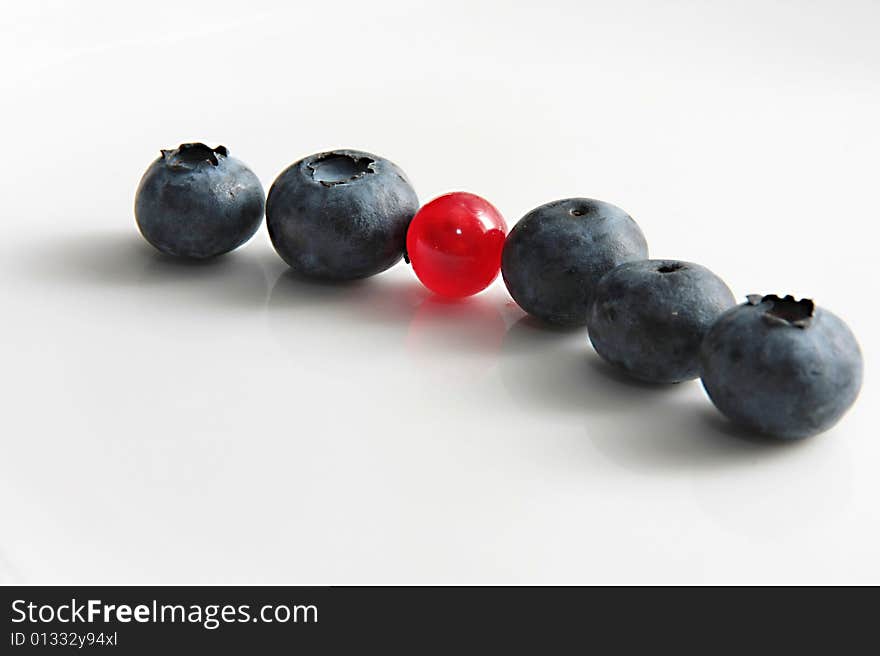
[[774, 365]]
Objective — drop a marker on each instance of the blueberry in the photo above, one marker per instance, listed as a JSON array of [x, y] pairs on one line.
[[781, 367], [556, 254], [196, 201], [649, 317], [340, 215]]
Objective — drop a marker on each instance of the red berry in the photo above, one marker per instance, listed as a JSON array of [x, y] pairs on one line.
[[454, 244]]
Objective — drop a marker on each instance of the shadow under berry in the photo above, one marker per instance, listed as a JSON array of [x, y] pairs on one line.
[[121, 261], [639, 425]]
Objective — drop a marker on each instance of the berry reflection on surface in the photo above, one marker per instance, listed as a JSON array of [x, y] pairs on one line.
[[457, 339]]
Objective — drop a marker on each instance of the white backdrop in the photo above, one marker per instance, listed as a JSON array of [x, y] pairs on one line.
[[166, 423]]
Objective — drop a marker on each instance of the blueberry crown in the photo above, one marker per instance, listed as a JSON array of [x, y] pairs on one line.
[[339, 167], [191, 155], [785, 310]]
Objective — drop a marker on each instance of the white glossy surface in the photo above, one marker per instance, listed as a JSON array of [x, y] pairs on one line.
[[224, 423]]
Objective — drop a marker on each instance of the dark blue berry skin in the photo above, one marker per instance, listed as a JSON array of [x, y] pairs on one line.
[[781, 367], [649, 317], [340, 215], [556, 254], [198, 202]]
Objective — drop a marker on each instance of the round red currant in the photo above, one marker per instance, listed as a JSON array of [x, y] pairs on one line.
[[454, 244]]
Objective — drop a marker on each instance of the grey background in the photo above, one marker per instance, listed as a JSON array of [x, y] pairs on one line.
[[223, 422]]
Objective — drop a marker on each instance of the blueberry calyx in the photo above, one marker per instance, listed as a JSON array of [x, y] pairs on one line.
[[191, 155], [785, 311], [579, 208], [339, 168], [671, 267]]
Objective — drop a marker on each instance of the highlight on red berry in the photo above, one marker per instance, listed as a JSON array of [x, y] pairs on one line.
[[454, 244]]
